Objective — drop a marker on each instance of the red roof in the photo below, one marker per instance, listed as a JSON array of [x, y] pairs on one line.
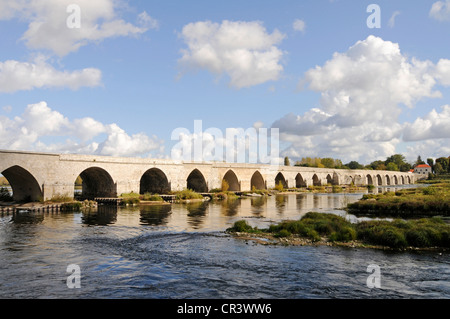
[[423, 166]]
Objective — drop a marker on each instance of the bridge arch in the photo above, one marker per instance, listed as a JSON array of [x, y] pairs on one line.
[[257, 181], [395, 180], [316, 180], [379, 180], [24, 185], [280, 179], [299, 181], [329, 179], [388, 180], [402, 179], [97, 182], [333, 179], [154, 181], [197, 182], [369, 179], [232, 180]]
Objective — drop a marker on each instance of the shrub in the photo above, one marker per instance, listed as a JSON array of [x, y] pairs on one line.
[[240, 226], [151, 198], [313, 235], [345, 234], [188, 194], [225, 186], [61, 198], [279, 187]]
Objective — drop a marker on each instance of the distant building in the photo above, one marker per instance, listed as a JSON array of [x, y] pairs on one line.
[[423, 169]]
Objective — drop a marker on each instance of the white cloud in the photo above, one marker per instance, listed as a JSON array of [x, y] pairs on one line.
[[39, 123], [47, 23], [434, 125], [242, 50], [17, 76], [440, 10], [442, 72], [362, 91], [299, 25]]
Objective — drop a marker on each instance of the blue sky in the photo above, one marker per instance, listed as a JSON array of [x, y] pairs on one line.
[[136, 70]]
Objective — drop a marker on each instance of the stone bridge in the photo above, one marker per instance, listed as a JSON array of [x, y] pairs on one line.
[[34, 176]]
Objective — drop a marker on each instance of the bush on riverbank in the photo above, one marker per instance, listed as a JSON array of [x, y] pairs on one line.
[[151, 197], [417, 202], [422, 233], [188, 194]]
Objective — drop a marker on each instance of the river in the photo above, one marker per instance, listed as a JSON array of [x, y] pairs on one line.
[[181, 251]]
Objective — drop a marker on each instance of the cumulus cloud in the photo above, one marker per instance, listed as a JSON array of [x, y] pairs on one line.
[[434, 125], [244, 51], [18, 76], [48, 28], [39, 123], [440, 10], [362, 93]]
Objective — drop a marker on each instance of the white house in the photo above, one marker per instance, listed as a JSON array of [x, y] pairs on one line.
[[423, 169]]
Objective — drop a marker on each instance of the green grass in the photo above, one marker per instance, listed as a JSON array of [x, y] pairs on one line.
[[421, 233], [130, 199], [187, 194], [151, 197], [409, 203]]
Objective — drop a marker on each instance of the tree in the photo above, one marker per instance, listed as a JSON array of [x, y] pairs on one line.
[[328, 162], [286, 161], [430, 162], [438, 169], [419, 161], [377, 164], [354, 165], [392, 167], [400, 161], [444, 162]]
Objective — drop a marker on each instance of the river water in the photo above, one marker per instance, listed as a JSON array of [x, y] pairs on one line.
[[181, 251]]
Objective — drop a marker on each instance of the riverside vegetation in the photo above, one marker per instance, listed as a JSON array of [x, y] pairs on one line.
[[320, 228], [408, 203], [412, 231]]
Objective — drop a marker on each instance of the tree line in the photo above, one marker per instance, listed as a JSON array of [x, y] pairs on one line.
[[395, 163]]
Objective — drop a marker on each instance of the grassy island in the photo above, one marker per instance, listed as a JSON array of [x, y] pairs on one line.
[[330, 229], [433, 200]]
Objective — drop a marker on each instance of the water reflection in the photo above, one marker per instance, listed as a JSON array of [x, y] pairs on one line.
[[230, 207], [103, 216], [280, 203], [155, 215], [196, 213], [27, 218], [257, 205]]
